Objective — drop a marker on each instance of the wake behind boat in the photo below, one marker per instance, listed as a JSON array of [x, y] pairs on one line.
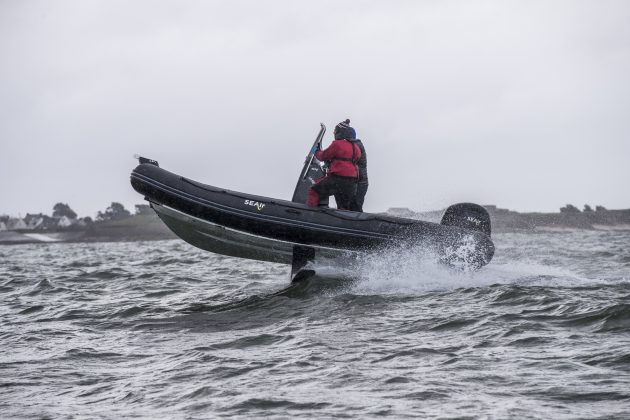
[[268, 229]]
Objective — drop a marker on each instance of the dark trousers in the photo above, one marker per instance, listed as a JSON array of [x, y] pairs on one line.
[[343, 188], [356, 204]]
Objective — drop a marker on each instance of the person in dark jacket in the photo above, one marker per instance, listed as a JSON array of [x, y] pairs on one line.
[[356, 204], [343, 172]]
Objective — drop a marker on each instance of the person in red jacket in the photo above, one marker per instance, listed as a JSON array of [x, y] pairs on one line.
[[343, 172]]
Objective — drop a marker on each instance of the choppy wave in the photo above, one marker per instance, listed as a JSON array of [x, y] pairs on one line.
[[160, 329]]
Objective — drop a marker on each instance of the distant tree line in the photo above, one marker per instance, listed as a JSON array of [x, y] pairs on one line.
[[65, 218], [570, 208], [60, 210], [115, 211]]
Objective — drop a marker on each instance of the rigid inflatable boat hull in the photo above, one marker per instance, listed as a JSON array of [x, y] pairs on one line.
[[267, 229]]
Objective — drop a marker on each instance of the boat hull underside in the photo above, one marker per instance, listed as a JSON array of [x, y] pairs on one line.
[[222, 240]]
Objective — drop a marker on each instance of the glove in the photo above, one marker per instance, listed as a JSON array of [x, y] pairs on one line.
[[315, 149]]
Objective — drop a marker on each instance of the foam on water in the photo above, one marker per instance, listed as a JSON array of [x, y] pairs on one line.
[[410, 271], [414, 270]]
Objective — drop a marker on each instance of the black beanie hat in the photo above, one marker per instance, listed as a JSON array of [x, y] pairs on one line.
[[344, 131]]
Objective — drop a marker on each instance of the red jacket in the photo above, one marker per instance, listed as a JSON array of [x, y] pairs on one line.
[[340, 154]]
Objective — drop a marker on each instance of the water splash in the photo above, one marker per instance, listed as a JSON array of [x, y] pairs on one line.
[[413, 270], [418, 269]]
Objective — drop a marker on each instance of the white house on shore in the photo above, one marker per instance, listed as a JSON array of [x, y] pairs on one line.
[[39, 222], [33, 221], [65, 221], [14, 224]]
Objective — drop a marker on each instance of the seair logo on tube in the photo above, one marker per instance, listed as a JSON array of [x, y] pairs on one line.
[[259, 206]]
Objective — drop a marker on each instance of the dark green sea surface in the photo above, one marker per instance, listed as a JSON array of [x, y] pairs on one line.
[[163, 330]]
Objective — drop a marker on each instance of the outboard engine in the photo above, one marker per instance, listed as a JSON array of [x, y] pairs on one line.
[[468, 216], [460, 251]]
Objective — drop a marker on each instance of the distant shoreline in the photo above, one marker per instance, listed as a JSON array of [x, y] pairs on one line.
[[143, 227], [148, 227], [504, 220]]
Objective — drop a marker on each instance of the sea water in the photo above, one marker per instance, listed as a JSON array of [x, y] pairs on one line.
[[164, 330]]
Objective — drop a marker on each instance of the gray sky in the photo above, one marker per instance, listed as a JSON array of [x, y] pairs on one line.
[[523, 104]]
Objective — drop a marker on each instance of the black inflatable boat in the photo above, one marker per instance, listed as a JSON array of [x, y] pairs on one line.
[[268, 229]]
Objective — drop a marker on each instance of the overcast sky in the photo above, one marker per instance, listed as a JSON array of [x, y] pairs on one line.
[[523, 104]]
